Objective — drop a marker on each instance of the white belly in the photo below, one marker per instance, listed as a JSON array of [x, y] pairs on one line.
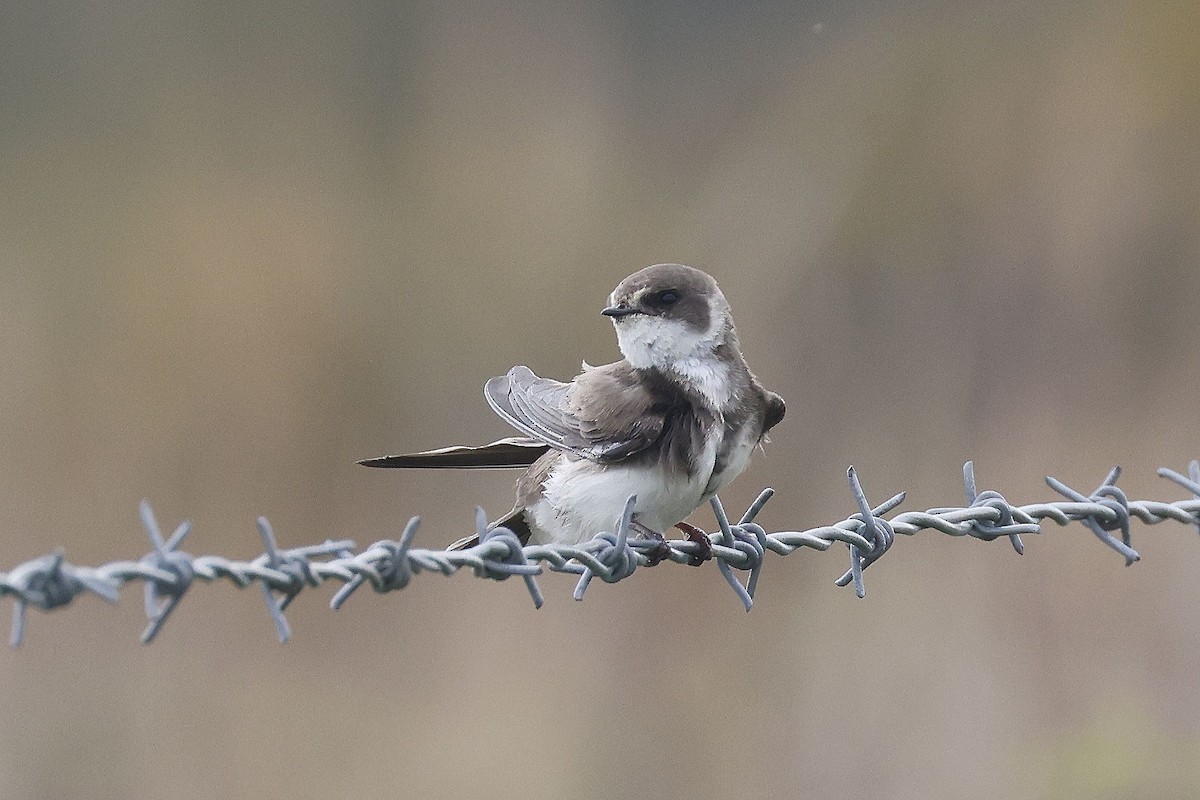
[[582, 498], [735, 461]]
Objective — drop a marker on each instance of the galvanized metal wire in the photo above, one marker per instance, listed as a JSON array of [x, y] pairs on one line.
[[167, 572]]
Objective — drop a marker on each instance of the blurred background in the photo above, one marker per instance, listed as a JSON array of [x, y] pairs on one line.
[[243, 245]]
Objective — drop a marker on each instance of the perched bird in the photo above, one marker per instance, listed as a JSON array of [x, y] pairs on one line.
[[672, 422]]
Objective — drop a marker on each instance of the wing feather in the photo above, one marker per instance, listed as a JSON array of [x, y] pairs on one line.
[[604, 414]]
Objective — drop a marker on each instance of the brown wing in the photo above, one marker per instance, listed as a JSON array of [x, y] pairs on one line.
[[605, 414], [775, 410]]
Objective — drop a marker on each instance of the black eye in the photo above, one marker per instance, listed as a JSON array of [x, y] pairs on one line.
[[668, 297]]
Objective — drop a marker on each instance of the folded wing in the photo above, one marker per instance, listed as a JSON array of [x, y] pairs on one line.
[[604, 415]]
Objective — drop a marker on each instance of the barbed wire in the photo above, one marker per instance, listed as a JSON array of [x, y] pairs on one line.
[[50, 582]]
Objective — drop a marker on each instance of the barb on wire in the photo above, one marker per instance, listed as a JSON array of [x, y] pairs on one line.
[[166, 572]]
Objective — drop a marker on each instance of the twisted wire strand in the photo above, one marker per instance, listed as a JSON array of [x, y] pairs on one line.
[[167, 572]]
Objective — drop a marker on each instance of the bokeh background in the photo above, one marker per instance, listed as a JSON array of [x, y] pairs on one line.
[[244, 244]]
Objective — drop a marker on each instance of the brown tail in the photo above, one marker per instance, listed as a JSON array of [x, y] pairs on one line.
[[515, 451], [513, 520]]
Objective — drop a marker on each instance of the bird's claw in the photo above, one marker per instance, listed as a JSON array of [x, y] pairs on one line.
[[661, 550], [704, 550]]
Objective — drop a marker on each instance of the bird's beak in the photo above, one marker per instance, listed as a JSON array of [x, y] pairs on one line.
[[618, 311]]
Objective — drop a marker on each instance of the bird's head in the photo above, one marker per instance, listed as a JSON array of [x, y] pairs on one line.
[[666, 313]]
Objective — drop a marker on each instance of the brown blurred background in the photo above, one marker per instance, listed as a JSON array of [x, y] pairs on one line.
[[244, 244]]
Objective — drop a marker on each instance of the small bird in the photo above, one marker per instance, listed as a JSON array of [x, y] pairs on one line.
[[672, 422]]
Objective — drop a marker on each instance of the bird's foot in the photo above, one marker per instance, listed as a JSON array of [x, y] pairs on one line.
[[660, 551], [704, 551]]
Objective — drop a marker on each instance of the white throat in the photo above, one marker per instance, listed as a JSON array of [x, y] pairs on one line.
[[672, 346], [709, 376]]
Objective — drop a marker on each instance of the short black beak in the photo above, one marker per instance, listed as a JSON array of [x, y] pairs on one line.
[[616, 312]]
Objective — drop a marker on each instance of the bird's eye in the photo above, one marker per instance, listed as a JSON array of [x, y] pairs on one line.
[[668, 297]]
